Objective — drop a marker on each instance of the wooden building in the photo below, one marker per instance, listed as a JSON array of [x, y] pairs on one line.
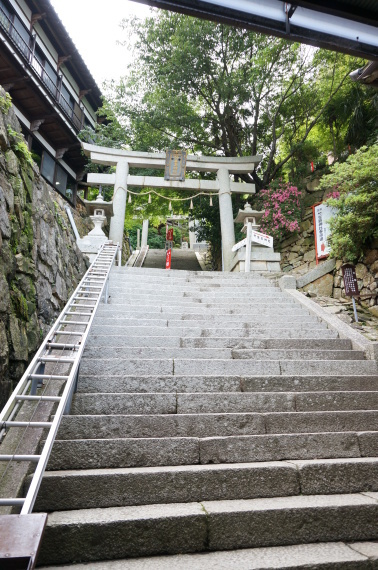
[[52, 90]]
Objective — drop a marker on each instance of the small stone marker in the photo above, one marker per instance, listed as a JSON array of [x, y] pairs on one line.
[[351, 284]]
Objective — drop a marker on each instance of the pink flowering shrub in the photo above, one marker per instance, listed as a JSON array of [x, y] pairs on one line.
[[282, 209], [333, 196]]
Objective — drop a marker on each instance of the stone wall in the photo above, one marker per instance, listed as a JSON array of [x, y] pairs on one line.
[[298, 256], [40, 264]]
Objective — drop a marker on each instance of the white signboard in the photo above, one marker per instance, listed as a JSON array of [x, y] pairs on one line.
[[262, 239], [240, 244], [322, 214]]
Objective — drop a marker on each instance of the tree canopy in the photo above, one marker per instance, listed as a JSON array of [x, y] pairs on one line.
[[214, 89]]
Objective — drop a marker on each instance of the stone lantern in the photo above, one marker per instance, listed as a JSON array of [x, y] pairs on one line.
[[252, 256], [99, 212]]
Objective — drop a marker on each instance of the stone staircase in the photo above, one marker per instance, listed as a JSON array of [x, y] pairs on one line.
[[217, 425]]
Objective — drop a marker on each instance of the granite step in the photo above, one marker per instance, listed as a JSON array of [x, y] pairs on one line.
[[160, 320], [174, 312], [101, 488], [156, 384], [220, 403], [255, 316], [95, 534], [320, 556], [217, 367], [315, 330], [221, 425], [99, 340], [116, 352], [169, 451]]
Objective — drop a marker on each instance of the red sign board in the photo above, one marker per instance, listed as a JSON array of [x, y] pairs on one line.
[[350, 280], [170, 234], [168, 258]]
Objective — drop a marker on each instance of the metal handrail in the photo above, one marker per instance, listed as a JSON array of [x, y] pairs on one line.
[[97, 273]]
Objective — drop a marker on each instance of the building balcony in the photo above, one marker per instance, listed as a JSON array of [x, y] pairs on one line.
[[24, 43]]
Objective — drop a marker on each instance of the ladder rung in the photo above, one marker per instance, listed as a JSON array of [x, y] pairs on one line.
[[89, 287], [47, 377], [74, 323], [35, 458], [62, 345], [11, 502], [78, 313], [39, 398], [72, 333], [56, 359], [83, 306], [27, 424]]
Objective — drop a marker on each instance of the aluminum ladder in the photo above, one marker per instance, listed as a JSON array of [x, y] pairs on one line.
[[57, 360]]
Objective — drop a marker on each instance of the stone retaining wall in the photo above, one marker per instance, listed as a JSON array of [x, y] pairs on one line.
[[40, 264], [298, 256]]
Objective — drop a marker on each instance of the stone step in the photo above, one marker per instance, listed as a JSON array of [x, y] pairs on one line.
[[166, 300], [104, 340], [101, 488], [223, 353], [274, 367], [95, 534], [221, 403], [182, 384], [172, 316], [138, 451], [316, 330], [214, 424], [199, 321], [321, 556], [296, 354], [216, 367], [158, 352], [192, 287], [173, 312]]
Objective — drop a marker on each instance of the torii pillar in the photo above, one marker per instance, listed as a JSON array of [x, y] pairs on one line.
[[117, 222], [226, 217]]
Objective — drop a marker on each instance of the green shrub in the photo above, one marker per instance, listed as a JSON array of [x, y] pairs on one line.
[[355, 225]]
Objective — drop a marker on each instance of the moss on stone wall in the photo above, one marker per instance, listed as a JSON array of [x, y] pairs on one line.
[[40, 264]]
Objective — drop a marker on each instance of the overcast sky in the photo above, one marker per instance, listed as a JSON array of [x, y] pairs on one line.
[[94, 26]]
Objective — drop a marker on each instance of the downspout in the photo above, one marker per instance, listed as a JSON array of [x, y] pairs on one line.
[[72, 221]]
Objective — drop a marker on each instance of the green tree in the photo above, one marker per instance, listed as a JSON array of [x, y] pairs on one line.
[[354, 194], [219, 90]]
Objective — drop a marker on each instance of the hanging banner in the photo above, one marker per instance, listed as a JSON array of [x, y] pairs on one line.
[[322, 214], [169, 234], [350, 280], [262, 239], [168, 258]]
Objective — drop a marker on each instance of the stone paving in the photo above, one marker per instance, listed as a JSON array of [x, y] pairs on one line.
[[217, 424]]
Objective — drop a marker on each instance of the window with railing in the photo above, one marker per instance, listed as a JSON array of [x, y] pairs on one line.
[[21, 38]]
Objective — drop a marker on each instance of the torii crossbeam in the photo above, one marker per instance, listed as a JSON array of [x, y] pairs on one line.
[[223, 166]]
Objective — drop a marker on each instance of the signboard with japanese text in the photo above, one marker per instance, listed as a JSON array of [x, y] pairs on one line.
[[169, 234], [322, 214], [168, 259], [240, 244], [350, 280], [175, 165], [262, 239]]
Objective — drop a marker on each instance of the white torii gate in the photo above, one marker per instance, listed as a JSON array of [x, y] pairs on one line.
[[223, 166]]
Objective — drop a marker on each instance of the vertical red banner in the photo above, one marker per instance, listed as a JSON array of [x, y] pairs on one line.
[[168, 258], [170, 234]]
